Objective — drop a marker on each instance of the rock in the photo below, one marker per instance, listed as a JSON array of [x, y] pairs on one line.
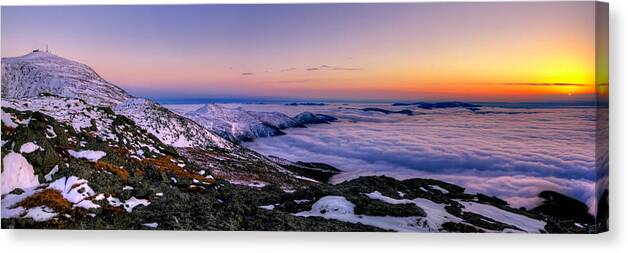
[[562, 207]]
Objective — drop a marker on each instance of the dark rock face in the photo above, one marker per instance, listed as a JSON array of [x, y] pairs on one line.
[[602, 212], [438, 105], [562, 207], [311, 118], [406, 112], [318, 171], [305, 103]]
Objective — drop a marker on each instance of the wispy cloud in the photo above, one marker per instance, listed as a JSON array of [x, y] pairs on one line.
[[330, 67], [288, 69], [548, 84], [247, 74], [294, 81]]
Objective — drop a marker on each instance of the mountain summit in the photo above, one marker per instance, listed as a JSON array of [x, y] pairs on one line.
[[32, 77], [42, 72]]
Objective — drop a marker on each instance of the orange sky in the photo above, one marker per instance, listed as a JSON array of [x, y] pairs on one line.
[[458, 51]]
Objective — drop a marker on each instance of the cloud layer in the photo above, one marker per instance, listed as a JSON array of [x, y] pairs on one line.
[[511, 153]]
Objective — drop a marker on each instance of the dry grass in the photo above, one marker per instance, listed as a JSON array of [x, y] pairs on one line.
[[48, 197], [116, 170], [165, 164], [7, 130], [120, 150]]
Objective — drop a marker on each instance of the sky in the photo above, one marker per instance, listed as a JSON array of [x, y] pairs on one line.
[[430, 51]]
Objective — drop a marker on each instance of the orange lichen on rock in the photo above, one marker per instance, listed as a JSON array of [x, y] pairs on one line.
[[165, 164], [138, 172], [120, 172], [7, 130], [48, 197]]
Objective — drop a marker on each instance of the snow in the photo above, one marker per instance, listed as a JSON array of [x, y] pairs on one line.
[[169, 127], [9, 200], [129, 204], [28, 148], [527, 224], [114, 201], [52, 172], [436, 214], [75, 190], [133, 202], [238, 124], [40, 213], [17, 173], [159, 194], [53, 74], [288, 190], [90, 155], [50, 132], [127, 188], [8, 120], [79, 92], [267, 207], [339, 208], [438, 188], [251, 183], [151, 225]]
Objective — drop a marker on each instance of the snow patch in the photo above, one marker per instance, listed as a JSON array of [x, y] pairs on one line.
[[133, 202], [40, 213], [90, 155], [8, 120], [17, 173], [52, 172], [75, 190], [28, 148], [267, 207], [523, 222], [440, 189], [129, 204], [436, 214], [252, 183], [339, 208], [151, 225]]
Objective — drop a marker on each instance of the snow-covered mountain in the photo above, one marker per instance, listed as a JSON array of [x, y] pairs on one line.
[[43, 72], [55, 85], [232, 124], [238, 124], [168, 126]]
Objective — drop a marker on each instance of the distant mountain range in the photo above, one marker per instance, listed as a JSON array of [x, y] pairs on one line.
[[239, 124]]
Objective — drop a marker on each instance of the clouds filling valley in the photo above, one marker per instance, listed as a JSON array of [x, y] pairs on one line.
[[508, 152]]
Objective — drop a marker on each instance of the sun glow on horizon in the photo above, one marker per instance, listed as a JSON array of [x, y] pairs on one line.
[[480, 51]]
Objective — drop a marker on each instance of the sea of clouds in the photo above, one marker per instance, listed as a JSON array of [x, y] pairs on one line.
[[513, 153]]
